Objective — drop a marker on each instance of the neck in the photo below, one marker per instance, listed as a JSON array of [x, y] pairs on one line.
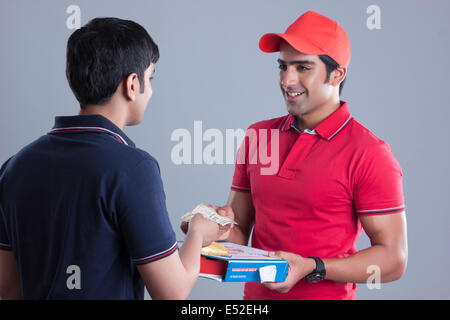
[[311, 120], [110, 112]]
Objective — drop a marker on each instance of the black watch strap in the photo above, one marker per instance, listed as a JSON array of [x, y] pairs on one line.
[[318, 273]]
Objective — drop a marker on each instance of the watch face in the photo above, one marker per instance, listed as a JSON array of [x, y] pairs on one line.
[[314, 277]]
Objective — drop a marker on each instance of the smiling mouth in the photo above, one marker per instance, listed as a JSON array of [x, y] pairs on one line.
[[294, 94]]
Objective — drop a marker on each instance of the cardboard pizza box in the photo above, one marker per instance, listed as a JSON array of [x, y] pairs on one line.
[[243, 264]]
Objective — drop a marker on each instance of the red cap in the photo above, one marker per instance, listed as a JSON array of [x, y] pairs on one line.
[[312, 33]]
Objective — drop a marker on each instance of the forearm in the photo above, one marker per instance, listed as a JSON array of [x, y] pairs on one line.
[[190, 257], [359, 267], [174, 276], [10, 285], [184, 267], [13, 293]]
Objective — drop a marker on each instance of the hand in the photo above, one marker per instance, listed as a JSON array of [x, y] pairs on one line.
[[299, 267], [210, 231], [225, 211], [224, 232]]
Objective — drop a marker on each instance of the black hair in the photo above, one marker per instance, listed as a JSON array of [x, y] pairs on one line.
[[331, 65], [102, 53]]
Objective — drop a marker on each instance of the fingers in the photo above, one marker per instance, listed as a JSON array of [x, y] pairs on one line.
[[219, 210], [213, 206], [184, 226], [226, 211], [222, 212], [297, 271], [289, 257], [276, 254], [224, 231], [281, 287], [226, 227]]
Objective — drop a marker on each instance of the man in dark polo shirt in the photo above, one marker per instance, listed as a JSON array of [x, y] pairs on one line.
[[333, 177], [82, 209]]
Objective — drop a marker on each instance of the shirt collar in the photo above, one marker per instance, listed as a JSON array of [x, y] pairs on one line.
[[330, 126], [90, 123], [295, 126]]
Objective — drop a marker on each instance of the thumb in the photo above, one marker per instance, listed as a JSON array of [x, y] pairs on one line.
[[213, 206], [275, 254], [226, 211]]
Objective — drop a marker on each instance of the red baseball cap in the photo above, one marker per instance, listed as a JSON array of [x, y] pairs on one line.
[[312, 33]]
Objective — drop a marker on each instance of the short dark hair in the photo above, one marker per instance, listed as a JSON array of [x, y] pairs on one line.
[[102, 53], [331, 65]]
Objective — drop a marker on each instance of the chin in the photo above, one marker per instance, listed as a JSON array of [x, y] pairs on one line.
[[292, 108], [297, 110]]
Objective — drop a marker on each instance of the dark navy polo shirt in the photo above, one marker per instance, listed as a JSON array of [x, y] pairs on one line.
[[80, 207]]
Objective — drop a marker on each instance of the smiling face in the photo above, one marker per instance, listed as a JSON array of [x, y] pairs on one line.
[[302, 82]]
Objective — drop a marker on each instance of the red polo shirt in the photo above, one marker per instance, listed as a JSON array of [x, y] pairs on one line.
[[309, 203]]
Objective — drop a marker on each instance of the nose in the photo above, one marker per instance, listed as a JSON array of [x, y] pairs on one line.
[[289, 77]]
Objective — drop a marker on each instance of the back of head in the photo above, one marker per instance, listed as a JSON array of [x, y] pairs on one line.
[[102, 53]]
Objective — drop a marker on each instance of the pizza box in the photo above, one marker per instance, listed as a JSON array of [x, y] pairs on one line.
[[245, 264]]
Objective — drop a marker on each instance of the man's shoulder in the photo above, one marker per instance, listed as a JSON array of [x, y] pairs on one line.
[[142, 155], [133, 153], [127, 159], [108, 156], [365, 140]]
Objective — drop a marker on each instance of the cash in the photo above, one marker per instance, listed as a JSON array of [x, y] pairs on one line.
[[208, 213]]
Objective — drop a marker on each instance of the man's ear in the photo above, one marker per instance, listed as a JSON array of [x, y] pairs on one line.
[[131, 86], [337, 76]]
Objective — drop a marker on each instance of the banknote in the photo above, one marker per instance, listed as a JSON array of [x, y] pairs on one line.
[[208, 213]]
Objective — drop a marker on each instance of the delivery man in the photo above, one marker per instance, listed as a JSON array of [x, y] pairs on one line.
[[82, 209], [334, 179]]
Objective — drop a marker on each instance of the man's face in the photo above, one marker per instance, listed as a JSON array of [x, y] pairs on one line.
[[140, 104], [302, 81]]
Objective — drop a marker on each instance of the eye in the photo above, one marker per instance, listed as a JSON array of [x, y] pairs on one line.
[[282, 67], [302, 68]]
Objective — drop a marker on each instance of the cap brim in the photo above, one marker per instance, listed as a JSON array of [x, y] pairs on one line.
[[270, 42]]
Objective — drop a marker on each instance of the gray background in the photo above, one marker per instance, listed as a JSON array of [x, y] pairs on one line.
[[212, 70]]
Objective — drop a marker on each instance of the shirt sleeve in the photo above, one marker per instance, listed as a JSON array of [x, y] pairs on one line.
[[5, 243], [241, 181], [379, 186], [142, 214]]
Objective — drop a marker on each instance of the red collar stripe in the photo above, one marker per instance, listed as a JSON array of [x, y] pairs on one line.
[[283, 125], [341, 127]]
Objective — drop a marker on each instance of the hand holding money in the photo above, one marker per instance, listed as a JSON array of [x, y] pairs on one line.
[[208, 213], [224, 219]]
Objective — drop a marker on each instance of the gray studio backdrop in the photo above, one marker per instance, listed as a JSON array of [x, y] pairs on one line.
[[212, 71]]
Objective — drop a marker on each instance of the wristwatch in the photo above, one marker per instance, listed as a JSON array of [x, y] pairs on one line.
[[318, 273]]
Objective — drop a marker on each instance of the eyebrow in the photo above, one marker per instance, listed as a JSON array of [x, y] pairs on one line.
[[296, 62]]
